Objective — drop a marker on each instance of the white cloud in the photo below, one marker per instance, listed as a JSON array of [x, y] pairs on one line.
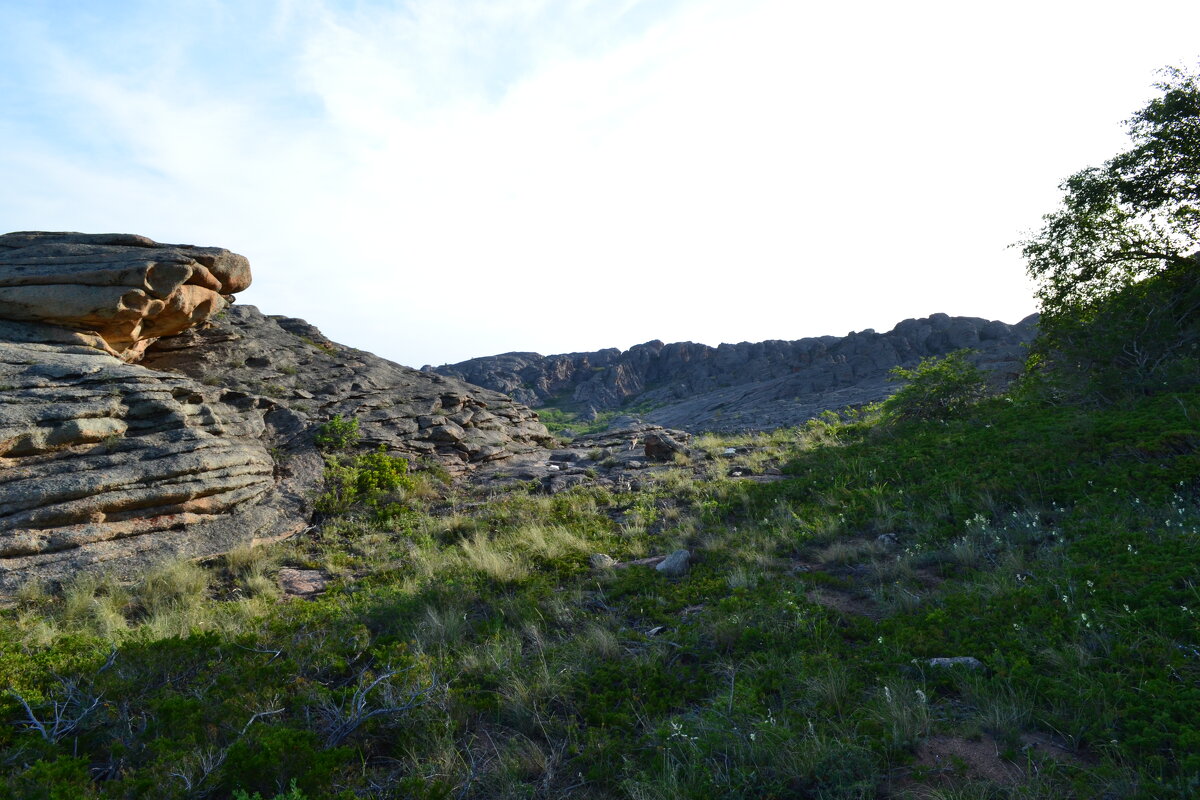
[[435, 181]]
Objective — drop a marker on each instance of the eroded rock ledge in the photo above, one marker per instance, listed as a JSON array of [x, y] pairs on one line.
[[289, 361], [127, 289]]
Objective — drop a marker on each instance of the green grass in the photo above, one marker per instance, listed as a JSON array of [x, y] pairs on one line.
[[467, 648], [559, 420]]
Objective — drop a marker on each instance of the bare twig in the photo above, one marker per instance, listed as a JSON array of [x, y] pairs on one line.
[[345, 718], [65, 715]]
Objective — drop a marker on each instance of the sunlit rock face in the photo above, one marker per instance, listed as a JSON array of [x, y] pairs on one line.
[[108, 464], [127, 289]]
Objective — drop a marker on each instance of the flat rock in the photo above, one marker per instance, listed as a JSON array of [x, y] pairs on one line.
[[968, 662], [305, 583]]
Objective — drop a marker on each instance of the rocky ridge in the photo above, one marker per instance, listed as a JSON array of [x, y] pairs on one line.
[[205, 444], [746, 386]]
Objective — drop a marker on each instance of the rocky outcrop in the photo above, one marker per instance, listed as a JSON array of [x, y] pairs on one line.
[[747, 386], [108, 463], [127, 289], [207, 442], [293, 366]]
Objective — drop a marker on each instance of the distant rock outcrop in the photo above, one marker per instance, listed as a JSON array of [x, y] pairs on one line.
[[747, 386], [204, 445]]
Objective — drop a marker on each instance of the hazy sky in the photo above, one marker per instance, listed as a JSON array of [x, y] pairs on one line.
[[439, 179]]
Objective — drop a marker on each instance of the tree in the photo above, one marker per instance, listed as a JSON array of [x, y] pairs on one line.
[[1135, 217], [1117, 264]]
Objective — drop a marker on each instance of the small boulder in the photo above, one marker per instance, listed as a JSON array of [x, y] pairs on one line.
[[306, 583], [556, 482], [676, 564], [970, 662], [661, 446]]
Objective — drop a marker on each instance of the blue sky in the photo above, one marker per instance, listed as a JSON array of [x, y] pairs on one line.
[[436, 180]]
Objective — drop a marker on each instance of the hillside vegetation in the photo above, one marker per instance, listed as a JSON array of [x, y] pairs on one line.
[[947, 595], [469, 648]]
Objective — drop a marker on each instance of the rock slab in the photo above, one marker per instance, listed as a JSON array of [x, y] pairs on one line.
[[128, 289]]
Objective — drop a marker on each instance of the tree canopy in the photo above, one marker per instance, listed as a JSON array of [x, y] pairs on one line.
[[1136, 216]]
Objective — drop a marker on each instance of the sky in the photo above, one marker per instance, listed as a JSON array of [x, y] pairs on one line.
[[435, 180]]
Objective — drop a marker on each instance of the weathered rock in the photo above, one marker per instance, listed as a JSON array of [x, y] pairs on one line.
[[676, 564], [747, 386], [968, 662], [660, 446], [207, 443], [602, 561], [561, 483], [127, 289], [417, 414], [304, 583], [107, 463]]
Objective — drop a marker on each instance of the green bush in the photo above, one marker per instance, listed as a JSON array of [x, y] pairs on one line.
[[1116, 264], [937, 389], [1140, 340], [364, 479], [293, 794], [337, 434]]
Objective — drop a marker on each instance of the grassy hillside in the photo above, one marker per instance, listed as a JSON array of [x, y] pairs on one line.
[[468, 647]]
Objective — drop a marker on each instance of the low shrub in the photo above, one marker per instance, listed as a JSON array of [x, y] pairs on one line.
[[937, 388], [337, 434]]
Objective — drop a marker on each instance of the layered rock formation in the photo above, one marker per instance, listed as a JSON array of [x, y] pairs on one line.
[[747, 386], [128, 289], [205, 444], [107, 462]]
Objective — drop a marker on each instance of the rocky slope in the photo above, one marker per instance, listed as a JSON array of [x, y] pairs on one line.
[[204, 445], [747, 386], [292, 365]]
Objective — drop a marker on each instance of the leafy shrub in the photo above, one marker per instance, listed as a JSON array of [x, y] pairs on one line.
[[938, 388], [365, 479], [337, 434], [1116, 264], [63, 778]]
